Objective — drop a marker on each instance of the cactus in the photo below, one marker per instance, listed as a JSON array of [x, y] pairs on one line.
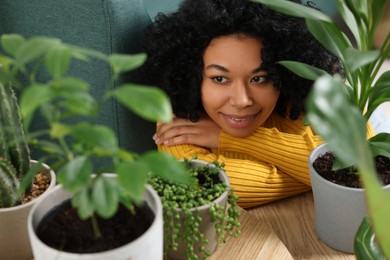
[[14, 152]]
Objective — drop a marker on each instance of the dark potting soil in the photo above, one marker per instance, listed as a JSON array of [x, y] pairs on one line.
[[348, 177], [62, 229]]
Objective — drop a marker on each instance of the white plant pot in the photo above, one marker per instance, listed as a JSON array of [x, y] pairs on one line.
[[148, 246], [206, 227], [14, 241], [339, 210]]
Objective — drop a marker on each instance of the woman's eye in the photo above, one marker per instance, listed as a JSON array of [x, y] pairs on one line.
[[259, 79], [220, 79]]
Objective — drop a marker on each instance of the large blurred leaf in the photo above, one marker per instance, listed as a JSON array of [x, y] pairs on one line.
[[133, 177], [359, 8], [126, 62], [32, 98], [32, 49], [11, 42], [105, 197], [96, 136], [58, 60], [332, 117], [82, 200], [150, 103], [75, 174], [166, 166], [294, 9], [303, 70]]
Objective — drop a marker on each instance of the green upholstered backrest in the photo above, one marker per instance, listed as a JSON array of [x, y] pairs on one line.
[[110, 26]]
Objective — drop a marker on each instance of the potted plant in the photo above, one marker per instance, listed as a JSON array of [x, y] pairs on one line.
[[82, 150], [197, 217], [339, 111], [22, 180]]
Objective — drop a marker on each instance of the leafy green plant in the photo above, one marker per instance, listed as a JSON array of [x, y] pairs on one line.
[[339, 109], [74, 139], [181, 204]]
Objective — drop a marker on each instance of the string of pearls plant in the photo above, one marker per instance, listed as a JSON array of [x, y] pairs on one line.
[[180, 204]]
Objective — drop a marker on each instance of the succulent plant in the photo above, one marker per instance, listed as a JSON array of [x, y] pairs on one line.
[[14, 152]]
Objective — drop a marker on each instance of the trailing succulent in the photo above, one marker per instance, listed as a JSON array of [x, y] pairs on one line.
[[180, 202], [14, 152]]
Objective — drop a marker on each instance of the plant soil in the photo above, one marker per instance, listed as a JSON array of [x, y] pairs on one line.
[[348, 177], [64, 230], [40, 184]]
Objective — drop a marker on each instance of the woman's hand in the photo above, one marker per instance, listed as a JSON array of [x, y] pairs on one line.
[[203, 133]]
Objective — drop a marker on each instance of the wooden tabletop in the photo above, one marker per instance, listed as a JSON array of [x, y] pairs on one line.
[[292, 220], [256, 241]]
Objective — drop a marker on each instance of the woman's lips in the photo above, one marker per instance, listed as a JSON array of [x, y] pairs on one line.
[[239, 121]]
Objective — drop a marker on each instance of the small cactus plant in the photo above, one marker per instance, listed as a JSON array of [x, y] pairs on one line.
[[14, 152]]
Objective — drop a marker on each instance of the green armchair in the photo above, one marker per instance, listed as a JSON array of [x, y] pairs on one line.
[[109, 26]]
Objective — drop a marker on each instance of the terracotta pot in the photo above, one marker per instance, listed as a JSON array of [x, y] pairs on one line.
[[206, 227], [14, 241], [339, 210], [148, 246]]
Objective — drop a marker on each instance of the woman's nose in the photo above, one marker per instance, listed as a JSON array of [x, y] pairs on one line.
[[240, 96]]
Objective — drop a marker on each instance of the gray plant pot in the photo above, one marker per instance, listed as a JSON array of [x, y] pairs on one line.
[[339, 210], [148, 246], [14, 241], [206, 227]]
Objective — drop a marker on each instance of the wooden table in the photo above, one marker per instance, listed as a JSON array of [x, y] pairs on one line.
[[256, 241], [292, 220]]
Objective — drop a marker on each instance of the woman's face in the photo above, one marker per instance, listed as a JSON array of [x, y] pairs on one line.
[[236, 93]]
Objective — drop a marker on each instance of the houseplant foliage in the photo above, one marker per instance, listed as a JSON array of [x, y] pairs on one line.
[[75, 137], [339, 109], [187, 207]]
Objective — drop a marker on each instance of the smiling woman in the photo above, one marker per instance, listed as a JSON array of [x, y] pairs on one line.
[[218, 62]]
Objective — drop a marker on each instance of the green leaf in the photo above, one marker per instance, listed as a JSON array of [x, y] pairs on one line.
[[133, 176], [82, 200], [303, 70], [126, 62], [380, 144], [359, 8], [378, 201], [167, 167], [75, 174], [355, 59], [96, 136], [58, 130], [329, 114], [365, 246], [105, 196], [11, 42], [330, 36], [83, 105], [58, 59], [33, 48], [378, 94], [33, 97], [294, 9], [349, 19], [150, 103]]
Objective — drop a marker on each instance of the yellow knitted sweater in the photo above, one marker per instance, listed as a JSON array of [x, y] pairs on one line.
[[270, 164]]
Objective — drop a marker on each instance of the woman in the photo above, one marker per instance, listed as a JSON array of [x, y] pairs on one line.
[[233, 102]]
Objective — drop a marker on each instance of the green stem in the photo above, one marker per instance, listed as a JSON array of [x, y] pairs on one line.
[[95, 227]]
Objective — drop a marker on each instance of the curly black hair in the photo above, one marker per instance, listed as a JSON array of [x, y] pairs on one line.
[[175, 44]]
